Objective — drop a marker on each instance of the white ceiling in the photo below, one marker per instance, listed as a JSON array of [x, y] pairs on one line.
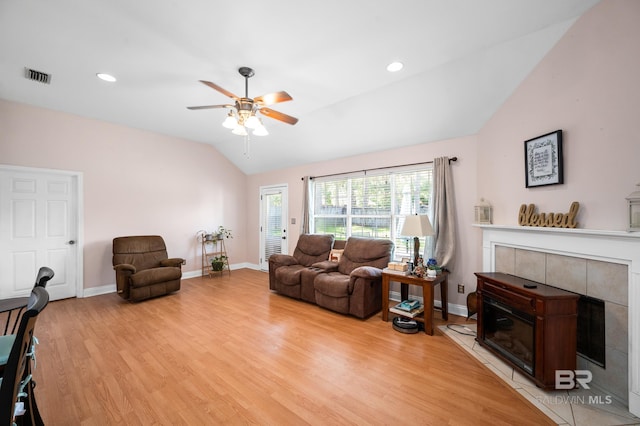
[[462, 60]]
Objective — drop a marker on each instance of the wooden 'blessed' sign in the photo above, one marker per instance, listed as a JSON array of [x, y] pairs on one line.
[[529, 217]]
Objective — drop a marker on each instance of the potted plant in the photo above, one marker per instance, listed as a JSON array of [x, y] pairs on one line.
[[215, 235], [432, 268], [223, 232], [218, 262]]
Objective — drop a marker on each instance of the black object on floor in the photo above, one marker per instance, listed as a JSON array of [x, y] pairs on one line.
[[405, 325]]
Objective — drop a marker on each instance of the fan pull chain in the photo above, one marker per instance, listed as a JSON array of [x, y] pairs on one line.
[[247, 147]]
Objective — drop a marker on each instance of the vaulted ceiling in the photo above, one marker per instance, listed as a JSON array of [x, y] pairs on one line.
[[462, 59]]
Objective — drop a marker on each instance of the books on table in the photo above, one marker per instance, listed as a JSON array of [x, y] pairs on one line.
[[408, 305], [408, 308]]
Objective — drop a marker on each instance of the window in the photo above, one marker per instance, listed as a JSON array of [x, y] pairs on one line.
[[372, 204]]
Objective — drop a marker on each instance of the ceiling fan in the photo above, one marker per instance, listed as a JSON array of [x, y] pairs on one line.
[[242, 114]]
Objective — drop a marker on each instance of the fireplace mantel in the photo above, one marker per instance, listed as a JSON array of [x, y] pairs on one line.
[[580, 231], [609, 246]]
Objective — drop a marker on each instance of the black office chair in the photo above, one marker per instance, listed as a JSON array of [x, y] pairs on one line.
[[16, 383], [44, 275], [19, 303]]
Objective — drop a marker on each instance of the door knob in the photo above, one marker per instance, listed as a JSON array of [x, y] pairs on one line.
[[284, 238], [71, 242]]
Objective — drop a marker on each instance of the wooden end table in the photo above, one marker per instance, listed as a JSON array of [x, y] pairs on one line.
[[427, 285]]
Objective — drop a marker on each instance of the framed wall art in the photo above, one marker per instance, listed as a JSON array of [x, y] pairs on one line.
[[543, 160]]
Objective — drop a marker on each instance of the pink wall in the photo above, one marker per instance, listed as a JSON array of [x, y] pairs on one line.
[[135, 182], [588, 86], [464, 176]]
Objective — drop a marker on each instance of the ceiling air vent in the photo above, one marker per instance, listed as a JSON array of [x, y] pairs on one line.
[[37, 76]]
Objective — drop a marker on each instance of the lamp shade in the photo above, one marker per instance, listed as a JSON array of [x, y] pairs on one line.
[[260, 131], [252, 122], [239, 130], [230, 122], [417, 226]]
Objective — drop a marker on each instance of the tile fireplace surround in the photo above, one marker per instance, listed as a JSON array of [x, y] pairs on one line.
[[601, 264]]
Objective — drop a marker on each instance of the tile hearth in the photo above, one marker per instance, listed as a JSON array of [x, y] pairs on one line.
[[577, 407]]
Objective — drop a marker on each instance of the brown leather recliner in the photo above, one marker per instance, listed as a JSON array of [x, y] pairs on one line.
[[355, 286], [293, 275], [143, 268]]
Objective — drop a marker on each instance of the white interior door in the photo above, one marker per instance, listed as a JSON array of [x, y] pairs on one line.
[[273, 223], [38, 227]]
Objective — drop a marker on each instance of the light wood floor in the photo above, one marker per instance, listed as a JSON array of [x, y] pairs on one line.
[[229, 351]]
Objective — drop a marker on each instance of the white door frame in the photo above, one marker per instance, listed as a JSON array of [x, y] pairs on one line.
[[78, 226], [284, 188]]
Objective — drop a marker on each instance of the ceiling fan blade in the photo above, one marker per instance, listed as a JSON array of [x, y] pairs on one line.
[[219, 89], [273, 98], [210, 106], [278, 116]]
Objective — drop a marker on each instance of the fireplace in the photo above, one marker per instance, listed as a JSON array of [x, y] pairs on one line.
[[591, 330], [529, 324], [600, 264], [509, 332]]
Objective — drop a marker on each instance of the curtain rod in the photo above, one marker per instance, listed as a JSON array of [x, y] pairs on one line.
[[379, 168]]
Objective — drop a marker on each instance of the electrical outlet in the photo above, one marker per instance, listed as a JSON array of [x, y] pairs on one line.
[[461, 288]]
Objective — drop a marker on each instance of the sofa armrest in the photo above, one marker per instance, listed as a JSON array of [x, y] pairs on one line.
[[125, 267], [365, 291], [276, 261], [123, 274], [366, 272], [283, 259], [174, 261], [326, 266]]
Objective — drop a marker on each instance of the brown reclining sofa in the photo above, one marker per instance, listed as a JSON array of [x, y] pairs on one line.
[[353, 285]]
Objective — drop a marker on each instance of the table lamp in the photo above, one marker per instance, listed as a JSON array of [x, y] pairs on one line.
[[416, 226]]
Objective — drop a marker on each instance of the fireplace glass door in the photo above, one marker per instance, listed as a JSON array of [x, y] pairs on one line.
[[510, 332]]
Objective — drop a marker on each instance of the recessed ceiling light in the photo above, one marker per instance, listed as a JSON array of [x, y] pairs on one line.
[[395, 66], [106, 77]]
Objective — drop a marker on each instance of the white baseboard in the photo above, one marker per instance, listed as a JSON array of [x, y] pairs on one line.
[[111, 288], [247, 265], [459, 310], [192, 274], [198, 272], [97, 291]]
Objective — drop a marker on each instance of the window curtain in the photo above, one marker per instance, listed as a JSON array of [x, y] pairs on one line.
[[306, 200], [443, 213]]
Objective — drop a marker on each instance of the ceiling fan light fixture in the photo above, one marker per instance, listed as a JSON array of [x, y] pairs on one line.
[[252, 122], [230, 122], [242, 115], [239, 130], [260, 131]]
